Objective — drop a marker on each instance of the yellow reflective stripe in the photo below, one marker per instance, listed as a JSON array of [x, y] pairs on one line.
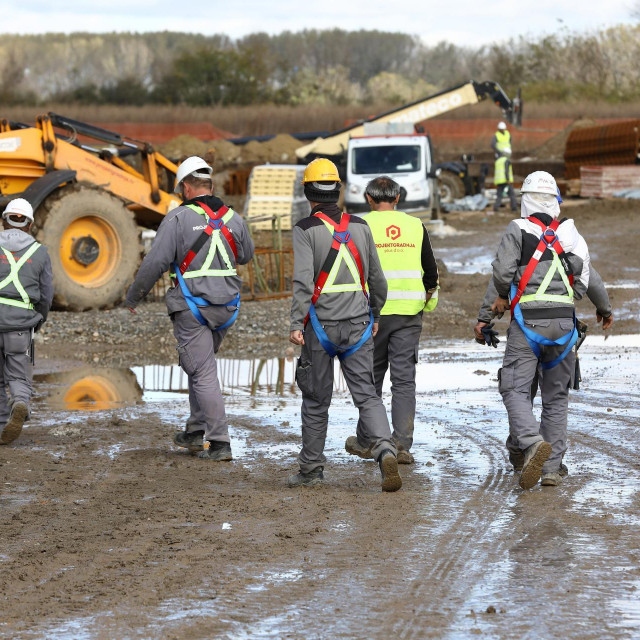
[[12, 278], [216, 245], [540, 294], [16, 303], [344, 255]]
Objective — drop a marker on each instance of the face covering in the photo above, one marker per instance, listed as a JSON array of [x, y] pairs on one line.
[[539, 203]]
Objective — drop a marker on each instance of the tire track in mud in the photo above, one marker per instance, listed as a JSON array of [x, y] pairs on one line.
[[464, 547]]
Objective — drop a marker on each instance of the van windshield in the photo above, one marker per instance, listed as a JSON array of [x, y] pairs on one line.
[[386, 159]]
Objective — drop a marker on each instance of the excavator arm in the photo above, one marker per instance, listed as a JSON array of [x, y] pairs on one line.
[[423, 109]]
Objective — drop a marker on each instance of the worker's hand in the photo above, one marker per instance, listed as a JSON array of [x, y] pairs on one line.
[[374, 330], [499, 306], [427, 298], [477, 330], [606, 322], [132, 310], [297, 337]]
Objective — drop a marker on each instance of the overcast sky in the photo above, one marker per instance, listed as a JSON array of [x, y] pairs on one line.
[[473, 23]]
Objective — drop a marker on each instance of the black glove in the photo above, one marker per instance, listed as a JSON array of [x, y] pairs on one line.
[[490, 336]]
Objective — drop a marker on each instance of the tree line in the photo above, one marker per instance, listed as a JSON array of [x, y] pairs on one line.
[[307, 67]]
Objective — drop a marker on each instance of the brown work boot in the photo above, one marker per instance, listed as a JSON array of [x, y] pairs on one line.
[[191, 440], [404, 457], [391, 480], [353, 447], [534, 458], [12, 429]]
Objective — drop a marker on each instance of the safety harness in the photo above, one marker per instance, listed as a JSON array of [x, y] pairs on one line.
[[214, 230], [12, 278], [560, 264], [343, 248]]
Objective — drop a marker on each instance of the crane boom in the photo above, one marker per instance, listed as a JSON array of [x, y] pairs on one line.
[[423, 109]]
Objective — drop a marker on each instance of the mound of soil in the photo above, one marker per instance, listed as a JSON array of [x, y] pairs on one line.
[[553, 149], [184, 145]]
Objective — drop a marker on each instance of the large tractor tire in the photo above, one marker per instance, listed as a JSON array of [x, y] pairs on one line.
[[451, 187], [94, 244]]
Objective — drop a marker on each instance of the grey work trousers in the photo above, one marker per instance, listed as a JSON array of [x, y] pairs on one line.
[[315, 379], [197, 348], [396, 348], [516, 377], [500, 189], [16, 371]]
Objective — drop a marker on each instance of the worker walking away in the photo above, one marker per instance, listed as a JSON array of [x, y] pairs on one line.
[[485, 334], [338, 292], [502, 169], [409, 266], [541, 267], [200, 242], [26, 293]]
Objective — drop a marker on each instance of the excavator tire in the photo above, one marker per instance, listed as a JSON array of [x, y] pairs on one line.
[[94, 244], [451, 187]]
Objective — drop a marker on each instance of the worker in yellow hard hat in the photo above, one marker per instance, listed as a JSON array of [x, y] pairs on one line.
[[339, 290]]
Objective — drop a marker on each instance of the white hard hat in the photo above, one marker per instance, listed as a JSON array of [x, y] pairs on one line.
[[193, 166], [502, 125], [540, 182], [21, 207]]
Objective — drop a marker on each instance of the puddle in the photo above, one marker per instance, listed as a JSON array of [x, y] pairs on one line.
[[466, 259]]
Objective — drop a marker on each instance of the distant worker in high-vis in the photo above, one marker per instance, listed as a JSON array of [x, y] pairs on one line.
[[502, 168]]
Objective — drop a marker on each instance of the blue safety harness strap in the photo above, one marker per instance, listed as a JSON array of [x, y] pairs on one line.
[[195, 301], [536, 341], [341, 236], [331, 348]]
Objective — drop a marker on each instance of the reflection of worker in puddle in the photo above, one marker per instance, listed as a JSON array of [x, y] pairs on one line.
[[410, 268], [202, 241], [333, 315], [541, 266], [26, 293]]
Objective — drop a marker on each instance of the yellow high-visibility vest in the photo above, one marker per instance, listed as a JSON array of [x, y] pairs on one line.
[[398, 239]]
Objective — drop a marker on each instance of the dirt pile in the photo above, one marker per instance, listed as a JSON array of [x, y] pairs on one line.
[[184, 145], [226, 155], [553, 149]]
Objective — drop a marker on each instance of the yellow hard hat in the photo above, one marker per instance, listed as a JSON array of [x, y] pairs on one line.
[[321, 170]]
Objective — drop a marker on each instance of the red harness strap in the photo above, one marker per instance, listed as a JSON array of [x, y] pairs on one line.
[[549, 240], [215, 222], [341, 236]]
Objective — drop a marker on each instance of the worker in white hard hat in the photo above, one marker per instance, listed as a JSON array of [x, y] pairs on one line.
[[542, 265], [26, 294], [502, 168], [201, 243]]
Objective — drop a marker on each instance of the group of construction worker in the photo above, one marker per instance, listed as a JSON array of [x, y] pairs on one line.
[[360, 287]]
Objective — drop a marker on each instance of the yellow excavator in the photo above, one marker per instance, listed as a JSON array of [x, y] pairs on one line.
[[89, 201]]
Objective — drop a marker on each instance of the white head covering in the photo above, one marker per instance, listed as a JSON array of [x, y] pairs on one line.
[[539, 203]]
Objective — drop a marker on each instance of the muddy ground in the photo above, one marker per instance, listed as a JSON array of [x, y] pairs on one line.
[[108, 531]]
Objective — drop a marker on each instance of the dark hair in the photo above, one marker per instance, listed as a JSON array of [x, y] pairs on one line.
[[383, 189]]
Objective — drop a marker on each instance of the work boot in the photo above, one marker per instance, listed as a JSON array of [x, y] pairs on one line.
[[563, 471], [404, 457], [551, 479], [310, 479], [353, 447], [517, 460], [391, 480], [12, 429], [534, 458], [191, 440], [217, 451]]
